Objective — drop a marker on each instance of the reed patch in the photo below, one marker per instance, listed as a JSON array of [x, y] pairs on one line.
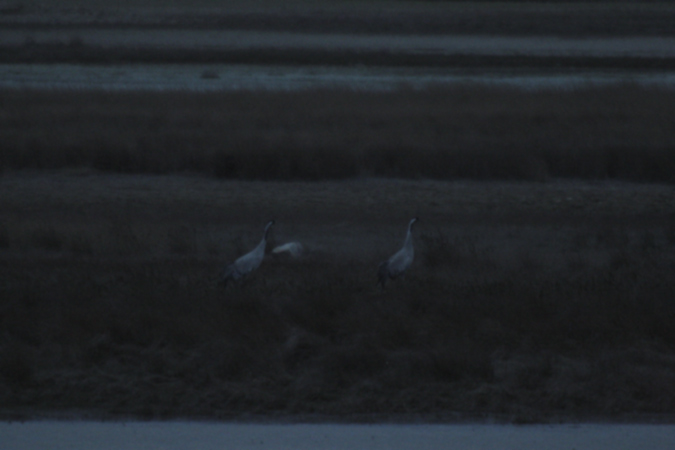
[[464, 132]]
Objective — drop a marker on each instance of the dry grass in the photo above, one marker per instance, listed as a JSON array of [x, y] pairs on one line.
[[517, 306], [623, 133]]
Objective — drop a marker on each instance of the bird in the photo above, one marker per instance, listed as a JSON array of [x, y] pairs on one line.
[[247, 263], [400, 261]]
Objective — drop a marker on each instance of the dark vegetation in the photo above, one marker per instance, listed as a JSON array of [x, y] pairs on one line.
[[622, 133], [112, 307], [510, 18]]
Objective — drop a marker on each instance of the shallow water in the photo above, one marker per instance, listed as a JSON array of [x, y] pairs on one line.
[[220, 77], [205, 435]]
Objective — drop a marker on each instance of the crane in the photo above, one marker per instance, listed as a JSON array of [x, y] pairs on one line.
[[247, 263], [400, 261]]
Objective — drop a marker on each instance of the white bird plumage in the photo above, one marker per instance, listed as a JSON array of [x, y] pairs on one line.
[[400, 261], [247, 263], [293, 249]]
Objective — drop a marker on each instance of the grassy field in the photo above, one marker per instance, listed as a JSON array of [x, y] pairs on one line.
[[526, 301], [471, 132]]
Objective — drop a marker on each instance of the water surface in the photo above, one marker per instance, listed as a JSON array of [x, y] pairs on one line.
[[222, 77], [55, 435]]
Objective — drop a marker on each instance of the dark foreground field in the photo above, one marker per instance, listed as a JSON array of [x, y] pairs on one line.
[[526, 301]]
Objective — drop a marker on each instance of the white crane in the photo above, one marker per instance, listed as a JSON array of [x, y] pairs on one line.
[[247, 263], [400, 261]]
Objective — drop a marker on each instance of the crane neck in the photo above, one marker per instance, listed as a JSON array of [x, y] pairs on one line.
[[267, 230], [408, 239], [263, 243], [268, 227]]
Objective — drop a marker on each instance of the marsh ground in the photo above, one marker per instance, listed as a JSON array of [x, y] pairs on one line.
[[527, 301], [541, 299]]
